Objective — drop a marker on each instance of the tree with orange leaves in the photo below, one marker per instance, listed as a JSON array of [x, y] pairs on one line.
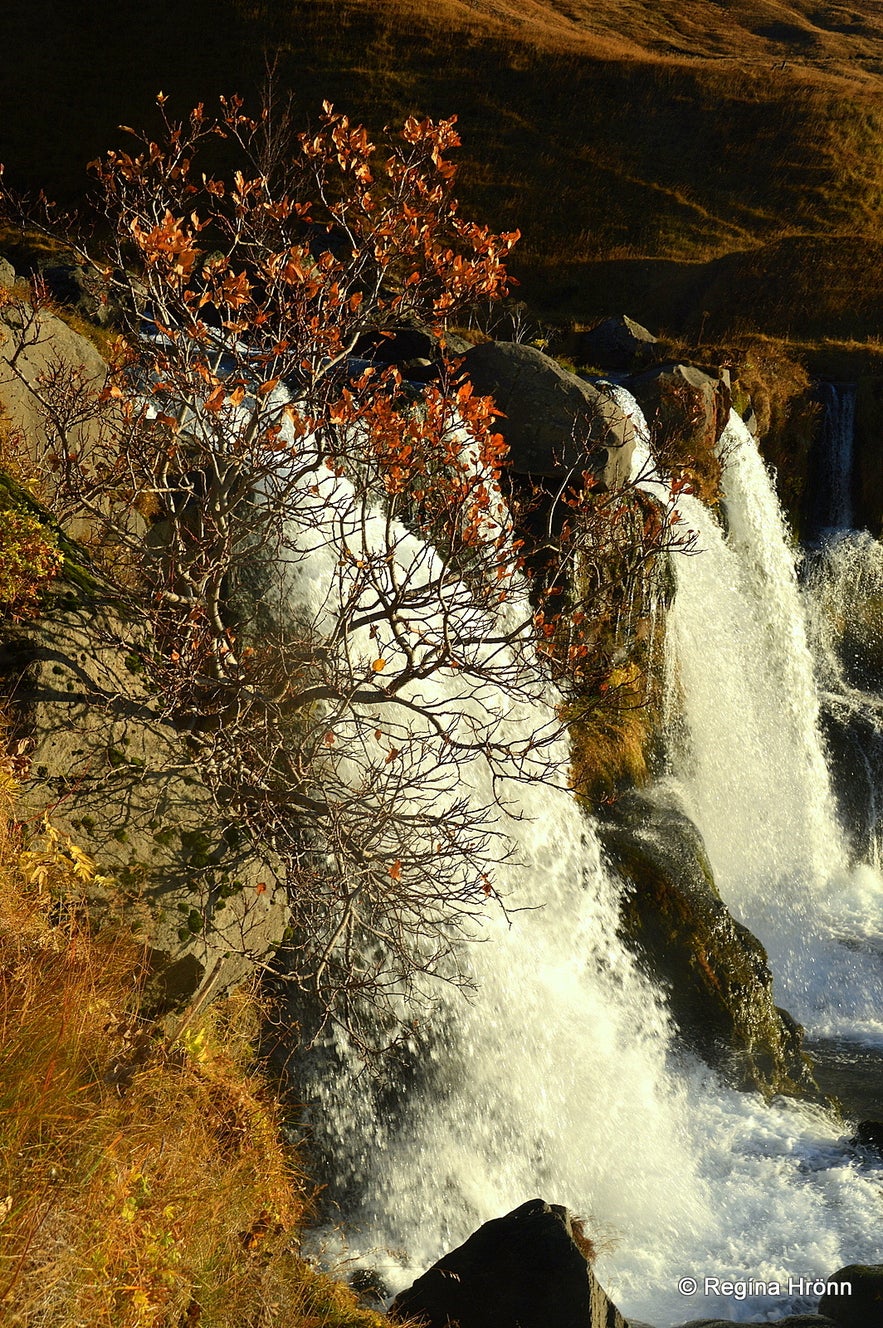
[[338, 608]]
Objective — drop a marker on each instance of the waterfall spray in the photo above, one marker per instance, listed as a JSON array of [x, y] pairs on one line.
[[560, 1076]]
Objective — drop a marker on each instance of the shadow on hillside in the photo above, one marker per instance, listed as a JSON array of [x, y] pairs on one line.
[[801, 287]]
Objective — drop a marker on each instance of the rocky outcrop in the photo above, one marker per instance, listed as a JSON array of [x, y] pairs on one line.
[[553, 422], [687, 409], [524, 1270], [112, 772], [713, 969], [26, 357], [618, 344], [862, 1305]]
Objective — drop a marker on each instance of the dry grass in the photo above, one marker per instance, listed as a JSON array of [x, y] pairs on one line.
[[142, 1181], [613, 736], [636, 143]]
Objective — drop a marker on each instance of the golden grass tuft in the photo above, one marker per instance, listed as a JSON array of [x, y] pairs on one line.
[[612, 736], [143, 1183]]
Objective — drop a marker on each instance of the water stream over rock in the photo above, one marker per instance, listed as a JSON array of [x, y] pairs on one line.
[[560, 1076]]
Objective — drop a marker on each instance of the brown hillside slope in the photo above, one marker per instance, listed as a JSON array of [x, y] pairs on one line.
[[846, 40], [634, 142]]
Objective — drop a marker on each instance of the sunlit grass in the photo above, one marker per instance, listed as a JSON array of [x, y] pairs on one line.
[[142, 1177]]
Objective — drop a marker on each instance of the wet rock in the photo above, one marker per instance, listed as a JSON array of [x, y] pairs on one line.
[[862, 1305], [869, 1134], [618, 344], [524, 1270], [553, 421], [687, 408], [713, 969]]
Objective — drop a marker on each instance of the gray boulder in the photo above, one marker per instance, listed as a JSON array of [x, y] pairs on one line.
[[7, 273], [111, 771], [524, 1270], [862, 1306], [714, 970], [618, 344], [553, 422], [688, 409], [26, 356]]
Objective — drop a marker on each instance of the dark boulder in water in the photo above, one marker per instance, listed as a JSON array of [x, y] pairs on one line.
[[869, 1134], [524, 1270], [714, 971], [862, 1305]]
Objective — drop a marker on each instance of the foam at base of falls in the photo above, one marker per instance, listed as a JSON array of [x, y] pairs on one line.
[[560, 1078]]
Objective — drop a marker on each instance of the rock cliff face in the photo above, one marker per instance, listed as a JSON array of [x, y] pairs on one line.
[[113, 773], [712, 968], [106, 765]]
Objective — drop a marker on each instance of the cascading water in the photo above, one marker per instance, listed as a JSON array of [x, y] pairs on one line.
[[559, 1076], [843, 594], [753, 770]]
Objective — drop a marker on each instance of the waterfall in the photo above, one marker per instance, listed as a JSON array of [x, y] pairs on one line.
[[843, 593], [559, 1077], [753, 770]]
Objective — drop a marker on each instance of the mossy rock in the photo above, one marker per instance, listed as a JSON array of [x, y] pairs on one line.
[[713, 969]]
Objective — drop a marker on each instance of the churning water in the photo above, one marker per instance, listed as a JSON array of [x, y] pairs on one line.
[[559, 1076]]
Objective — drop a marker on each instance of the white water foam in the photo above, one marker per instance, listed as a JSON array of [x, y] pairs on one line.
[[558, 1077], [753, 770]]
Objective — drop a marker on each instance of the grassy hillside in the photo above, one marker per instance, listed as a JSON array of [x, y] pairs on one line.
[[636, 143], [143, 1183]]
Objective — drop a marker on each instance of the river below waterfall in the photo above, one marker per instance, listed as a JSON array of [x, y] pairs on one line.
[[559, 1077]]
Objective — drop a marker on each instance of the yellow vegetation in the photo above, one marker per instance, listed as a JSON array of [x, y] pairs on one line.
[[612, 736], [142, 1179], [29, 561]]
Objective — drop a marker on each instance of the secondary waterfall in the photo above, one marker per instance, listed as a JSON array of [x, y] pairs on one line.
[[753, 768], [843, 592], [559, 1076]]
